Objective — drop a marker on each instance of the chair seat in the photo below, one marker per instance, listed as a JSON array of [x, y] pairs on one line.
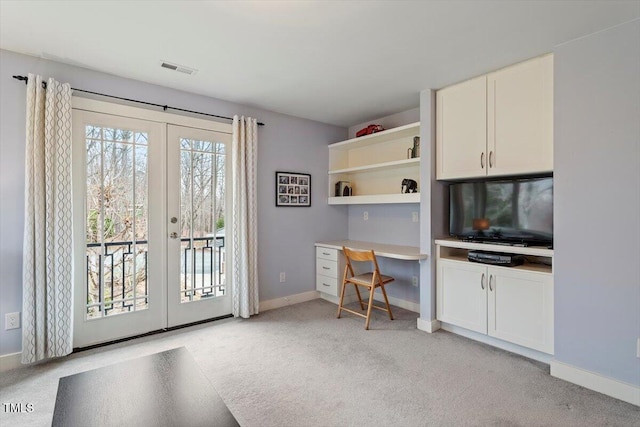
[[367, 278]]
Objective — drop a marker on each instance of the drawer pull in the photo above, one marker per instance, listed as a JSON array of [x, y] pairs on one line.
[[325, 268], [326, 253], [482, 282], [490, 280], [324, 284]]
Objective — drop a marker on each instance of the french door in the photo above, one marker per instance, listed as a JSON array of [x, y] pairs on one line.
[[197, 198], [149, 226]]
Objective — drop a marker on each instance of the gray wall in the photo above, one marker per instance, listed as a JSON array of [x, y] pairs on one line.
[[389, 122], [286, 235], [597, 202], [433, 205]]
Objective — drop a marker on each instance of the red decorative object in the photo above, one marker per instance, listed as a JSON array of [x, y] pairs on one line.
[[369, 130]]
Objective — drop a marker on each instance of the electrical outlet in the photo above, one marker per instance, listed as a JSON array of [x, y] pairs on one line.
[[366, 216], [12, 321], [414, 281], [283, 277], [414, 216]]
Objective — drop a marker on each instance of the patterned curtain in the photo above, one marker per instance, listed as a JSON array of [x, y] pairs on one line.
[[245, 217], [47, 271]]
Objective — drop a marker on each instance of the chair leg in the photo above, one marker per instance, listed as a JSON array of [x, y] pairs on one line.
[[371, 291], [344, 285], [359, 296], [386, 300]]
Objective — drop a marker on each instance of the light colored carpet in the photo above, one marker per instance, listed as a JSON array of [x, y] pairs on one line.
[[300, 366]]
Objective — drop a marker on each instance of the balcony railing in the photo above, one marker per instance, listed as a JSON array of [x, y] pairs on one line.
[[112, 275]]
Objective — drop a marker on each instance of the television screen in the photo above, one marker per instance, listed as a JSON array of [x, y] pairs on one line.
[[518, 210]]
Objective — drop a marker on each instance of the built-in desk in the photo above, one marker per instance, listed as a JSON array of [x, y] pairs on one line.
[[330, 263], [410, 253]]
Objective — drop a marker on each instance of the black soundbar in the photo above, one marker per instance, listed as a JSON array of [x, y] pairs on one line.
[[496, 258]]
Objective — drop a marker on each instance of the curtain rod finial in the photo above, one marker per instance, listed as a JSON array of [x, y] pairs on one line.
[[25, 79]]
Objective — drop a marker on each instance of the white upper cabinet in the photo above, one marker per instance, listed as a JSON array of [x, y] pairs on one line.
[[461, 129], [498, 124], [520, 118]]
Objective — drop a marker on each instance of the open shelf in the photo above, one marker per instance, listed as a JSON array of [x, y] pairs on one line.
[[537, 259], [375, 199], [379, 166], [400, 132], [375, 166]]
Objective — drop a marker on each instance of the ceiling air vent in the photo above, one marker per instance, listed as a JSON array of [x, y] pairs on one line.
[[176, 67]]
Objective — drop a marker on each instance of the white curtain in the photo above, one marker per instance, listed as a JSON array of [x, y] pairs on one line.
[[47, 270], [245, 217]]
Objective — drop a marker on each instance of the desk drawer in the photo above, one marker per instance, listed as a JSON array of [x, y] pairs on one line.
[[327, 285], [327, 253], [327, 268]]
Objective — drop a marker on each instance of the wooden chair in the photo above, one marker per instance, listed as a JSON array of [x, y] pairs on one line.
[[370, 280]]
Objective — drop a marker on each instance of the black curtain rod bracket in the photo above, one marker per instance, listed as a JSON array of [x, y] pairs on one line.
[[25, 79]]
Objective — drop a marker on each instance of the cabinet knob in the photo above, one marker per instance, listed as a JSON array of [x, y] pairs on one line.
[[482, 160], [482, 282]]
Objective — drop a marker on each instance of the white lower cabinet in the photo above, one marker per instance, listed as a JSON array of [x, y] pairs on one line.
[[462, 295], [329, 270], [511, 304]]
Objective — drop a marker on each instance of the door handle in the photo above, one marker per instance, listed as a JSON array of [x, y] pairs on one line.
[[173, 235]]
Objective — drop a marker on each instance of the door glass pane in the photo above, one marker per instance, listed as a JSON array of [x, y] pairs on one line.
[[202, 202], [117, 221]]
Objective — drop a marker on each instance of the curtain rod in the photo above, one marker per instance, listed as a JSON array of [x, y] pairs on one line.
[[25, 79]]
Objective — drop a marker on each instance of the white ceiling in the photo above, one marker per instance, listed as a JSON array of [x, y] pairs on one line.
[[336, 62]]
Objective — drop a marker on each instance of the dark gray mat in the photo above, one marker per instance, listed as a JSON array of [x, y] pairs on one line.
[[163, 389]]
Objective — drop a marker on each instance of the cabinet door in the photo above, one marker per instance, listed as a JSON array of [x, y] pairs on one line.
[[520, 118], [521, 307], [462, 295], [461, 130]]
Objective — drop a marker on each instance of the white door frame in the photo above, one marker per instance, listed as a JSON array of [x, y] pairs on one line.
[[100, 333]]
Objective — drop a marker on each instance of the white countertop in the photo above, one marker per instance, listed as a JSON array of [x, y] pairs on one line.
[[524, 250], [410, 253]]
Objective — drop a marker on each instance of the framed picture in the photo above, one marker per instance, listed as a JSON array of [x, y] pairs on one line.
[[293, 189]]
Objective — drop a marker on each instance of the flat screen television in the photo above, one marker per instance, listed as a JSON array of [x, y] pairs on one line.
[[511, 211]]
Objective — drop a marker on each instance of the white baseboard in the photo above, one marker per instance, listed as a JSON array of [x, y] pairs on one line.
[[10, 361], [288, 300], [407, 305], [495, 342], [428, 325], [596, 382]]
